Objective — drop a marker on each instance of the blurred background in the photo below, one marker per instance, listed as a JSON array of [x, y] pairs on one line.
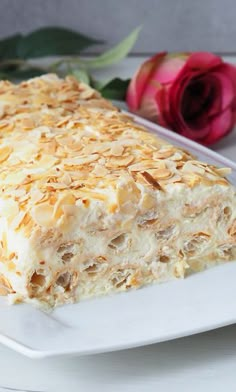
[[167, 24]]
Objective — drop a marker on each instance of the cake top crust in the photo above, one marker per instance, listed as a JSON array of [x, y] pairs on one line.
[[61, 142]]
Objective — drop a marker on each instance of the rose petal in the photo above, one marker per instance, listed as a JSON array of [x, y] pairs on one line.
[[175, 96], [220, 126], [207, 101], [203, 61], [162, 84], [197, 64], [178, 90], [149, 109], [197, 134], [140, 80], [227, 87], [163, 104], [216, 104], [230, 71], [165, 73], [169, 68]]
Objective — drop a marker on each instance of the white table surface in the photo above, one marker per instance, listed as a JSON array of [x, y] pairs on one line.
[[204, 362]]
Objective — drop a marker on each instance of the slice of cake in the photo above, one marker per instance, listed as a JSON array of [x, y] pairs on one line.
[[92, 203]]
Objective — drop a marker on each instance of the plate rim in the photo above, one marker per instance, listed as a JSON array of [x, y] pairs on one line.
[[185, 143]]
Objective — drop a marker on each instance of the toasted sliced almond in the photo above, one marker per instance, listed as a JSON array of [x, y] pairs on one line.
[[5, 153], [15, 223], [36, 196], [163, 154], [190, 167], [5, 286], [82, 160], [64, 199], [66, 179], [43, 214], [161, 174], [115, 150], [232, 229], [100, 171], [150, 180], [119, 161], [224, 171], [146, 165]]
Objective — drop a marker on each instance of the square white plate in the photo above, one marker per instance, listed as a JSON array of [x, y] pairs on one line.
[[152, 314]]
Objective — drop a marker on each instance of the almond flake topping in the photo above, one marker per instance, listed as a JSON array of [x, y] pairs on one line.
[[61, 143], [5, 153]]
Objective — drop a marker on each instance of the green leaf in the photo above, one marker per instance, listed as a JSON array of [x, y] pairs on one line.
[[53, 41], [3, 76], [22, 74], [99, 84], [27, 73], [9, 47], [8, 67], [115, 54], [115, 89], [81, 75]]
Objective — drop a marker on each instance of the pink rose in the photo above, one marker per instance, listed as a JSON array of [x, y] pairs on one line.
[[193, 94]]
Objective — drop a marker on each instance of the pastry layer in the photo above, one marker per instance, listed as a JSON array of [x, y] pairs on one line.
[[90, 202]]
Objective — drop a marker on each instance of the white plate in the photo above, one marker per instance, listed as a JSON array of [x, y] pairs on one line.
[[152, 314]]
